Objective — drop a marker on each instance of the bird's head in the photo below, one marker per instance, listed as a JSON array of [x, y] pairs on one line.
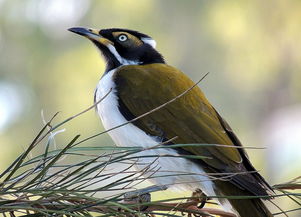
[[122, 46]]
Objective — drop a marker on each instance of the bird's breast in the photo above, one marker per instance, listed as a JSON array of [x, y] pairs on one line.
[[108, 110]]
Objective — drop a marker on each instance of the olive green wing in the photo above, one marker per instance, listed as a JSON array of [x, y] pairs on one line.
[[191, 117]]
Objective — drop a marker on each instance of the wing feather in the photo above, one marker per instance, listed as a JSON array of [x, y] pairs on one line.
[[191, 117]]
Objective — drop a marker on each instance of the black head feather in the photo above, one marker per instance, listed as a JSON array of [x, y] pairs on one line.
[[141, 54]]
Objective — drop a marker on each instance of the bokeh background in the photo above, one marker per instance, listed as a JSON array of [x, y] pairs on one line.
[[252, 50]]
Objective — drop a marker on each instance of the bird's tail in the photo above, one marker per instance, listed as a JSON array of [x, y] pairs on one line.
[[250, 208]]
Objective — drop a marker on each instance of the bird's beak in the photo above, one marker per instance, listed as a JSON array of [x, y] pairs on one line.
[[91, 34]]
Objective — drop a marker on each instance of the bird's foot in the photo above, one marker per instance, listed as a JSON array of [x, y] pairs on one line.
[[197, 201], [199, 198]]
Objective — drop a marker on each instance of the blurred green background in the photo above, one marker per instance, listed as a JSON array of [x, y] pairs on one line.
[[252, 50]]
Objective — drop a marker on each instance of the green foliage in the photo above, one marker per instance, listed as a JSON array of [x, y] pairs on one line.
[[252, 49], [82, 181]]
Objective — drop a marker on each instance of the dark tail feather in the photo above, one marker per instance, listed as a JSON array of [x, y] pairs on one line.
[[244, 207], [250, 208]]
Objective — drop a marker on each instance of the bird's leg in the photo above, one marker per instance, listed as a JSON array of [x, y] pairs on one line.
[[142, 196], [139, 199]]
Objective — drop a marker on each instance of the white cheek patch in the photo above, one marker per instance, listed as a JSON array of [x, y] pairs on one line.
[[149, 41], [120, 59], [114, 52]]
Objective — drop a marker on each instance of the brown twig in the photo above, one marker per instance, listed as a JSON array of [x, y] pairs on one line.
[[288, 186], [190, 208], [186, 207]]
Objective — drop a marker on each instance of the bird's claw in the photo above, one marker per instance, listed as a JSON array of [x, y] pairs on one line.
[[197, 201]]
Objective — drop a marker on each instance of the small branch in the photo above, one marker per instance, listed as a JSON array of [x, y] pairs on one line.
[[294, 184], [188, 207], [82, 112], [288, 186], [139, 192]]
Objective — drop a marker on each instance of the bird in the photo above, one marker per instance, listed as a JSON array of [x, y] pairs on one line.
[[137, 80]]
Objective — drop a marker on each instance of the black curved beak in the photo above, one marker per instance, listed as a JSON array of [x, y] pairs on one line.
[[92, 34], [85, 31], [79, 30]]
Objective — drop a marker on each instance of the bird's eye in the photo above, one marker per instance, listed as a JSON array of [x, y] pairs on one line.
[[122, 37]]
